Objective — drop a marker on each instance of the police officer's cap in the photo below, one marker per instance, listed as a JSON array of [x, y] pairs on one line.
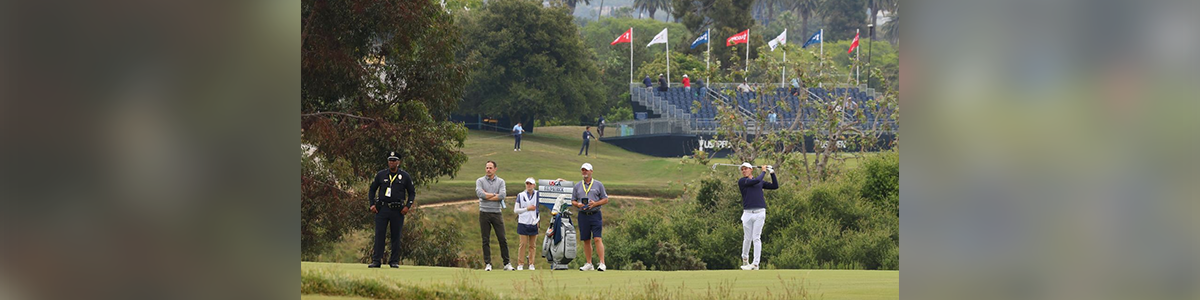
[[393, 156]]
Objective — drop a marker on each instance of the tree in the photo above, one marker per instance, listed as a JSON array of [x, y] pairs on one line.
[[376, 76], [823, 123], [572, 3], [652, 6], [693, 13], [623, 12], [806, 9], [529, 64], [891, 29], [843, 17]]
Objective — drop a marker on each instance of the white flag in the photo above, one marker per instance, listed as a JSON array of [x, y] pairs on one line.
[[659, 39], [782, 39]]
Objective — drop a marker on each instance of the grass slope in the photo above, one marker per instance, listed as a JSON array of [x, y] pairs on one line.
[[817, 284], [552, 152]]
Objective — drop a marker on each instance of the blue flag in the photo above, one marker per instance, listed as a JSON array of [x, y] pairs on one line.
[[816, 38], [700, 40]]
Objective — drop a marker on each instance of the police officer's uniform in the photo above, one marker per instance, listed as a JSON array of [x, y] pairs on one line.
[[396, 192]]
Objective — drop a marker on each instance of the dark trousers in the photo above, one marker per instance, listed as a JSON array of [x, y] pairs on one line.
[[517, 143], [601, 130], [385, 219], [488, 221], [583, 150]]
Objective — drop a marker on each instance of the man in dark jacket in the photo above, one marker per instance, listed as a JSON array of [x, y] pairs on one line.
[[587, 137], [395, 200], [647, 82], [662, 83]]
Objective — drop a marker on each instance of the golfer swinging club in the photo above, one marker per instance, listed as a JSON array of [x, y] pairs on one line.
[[754, 211]]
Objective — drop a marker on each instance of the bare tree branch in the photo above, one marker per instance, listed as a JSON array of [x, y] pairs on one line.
[[336, 113]]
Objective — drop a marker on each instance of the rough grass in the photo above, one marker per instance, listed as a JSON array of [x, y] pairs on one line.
[[414, 282]]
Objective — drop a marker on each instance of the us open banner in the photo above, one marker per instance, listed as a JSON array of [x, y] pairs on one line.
[[548, 193]]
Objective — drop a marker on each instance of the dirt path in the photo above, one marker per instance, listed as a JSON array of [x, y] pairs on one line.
[[476, 201]]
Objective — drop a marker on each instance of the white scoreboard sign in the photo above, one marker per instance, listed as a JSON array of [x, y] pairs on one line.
[[548, 193]]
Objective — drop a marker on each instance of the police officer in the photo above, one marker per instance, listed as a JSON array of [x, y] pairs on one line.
[[396, 195]]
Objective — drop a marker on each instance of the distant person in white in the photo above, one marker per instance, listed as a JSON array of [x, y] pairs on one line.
[[527, 223], [517, 131]]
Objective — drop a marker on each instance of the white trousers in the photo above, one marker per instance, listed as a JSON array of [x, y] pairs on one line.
[[752, 225]]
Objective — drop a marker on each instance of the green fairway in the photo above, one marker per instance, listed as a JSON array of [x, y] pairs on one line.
[[552, 152], [818, 284]]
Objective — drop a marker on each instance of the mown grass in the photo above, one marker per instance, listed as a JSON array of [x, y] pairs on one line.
[[414, 282], [551, 153]]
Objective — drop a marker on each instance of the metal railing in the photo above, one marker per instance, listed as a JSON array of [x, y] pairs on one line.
[[680, 120], [647, 98], [652, 126]]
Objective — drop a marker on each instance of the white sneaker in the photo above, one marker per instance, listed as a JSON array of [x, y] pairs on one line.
[[488, 267], [745, 262], [601, 267], [508, 267], [531, 267], [747, 267], [520, 267], [587, 267]]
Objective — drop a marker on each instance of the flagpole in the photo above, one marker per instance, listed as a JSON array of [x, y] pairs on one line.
[[856, 33], [821, 40], [631, 54], [667, 46], [747, 71], [707, 53], [783, 75]]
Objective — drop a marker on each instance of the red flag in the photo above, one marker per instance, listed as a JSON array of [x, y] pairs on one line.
[[740, 38], [624, 38], [853, 44]]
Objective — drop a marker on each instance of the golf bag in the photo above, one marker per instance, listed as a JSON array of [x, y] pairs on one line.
[[558, 247]]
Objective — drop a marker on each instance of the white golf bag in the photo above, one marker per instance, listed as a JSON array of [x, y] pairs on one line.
[[561, 253]]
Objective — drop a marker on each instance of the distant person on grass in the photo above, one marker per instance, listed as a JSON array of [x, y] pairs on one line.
[[490, 189], [754, 211], [395, 200], [600, 126], [588, 196], [587, 137], [527, 223], [517, 131]]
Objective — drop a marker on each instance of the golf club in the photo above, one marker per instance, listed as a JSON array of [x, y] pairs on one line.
[[714, 167]]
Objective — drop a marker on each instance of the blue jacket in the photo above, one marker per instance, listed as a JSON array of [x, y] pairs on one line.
[[752, 190]]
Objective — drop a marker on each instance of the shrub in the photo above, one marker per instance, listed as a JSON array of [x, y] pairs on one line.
[[426, 242], [637, 235], [673, 257], [849, 222], [881, 179]]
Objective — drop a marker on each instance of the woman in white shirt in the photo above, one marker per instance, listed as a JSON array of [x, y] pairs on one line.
[[527, 223]]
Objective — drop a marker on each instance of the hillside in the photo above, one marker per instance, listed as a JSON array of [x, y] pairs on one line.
[[552, 152]]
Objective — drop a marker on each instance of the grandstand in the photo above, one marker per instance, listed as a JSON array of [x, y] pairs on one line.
[[667, 116]]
